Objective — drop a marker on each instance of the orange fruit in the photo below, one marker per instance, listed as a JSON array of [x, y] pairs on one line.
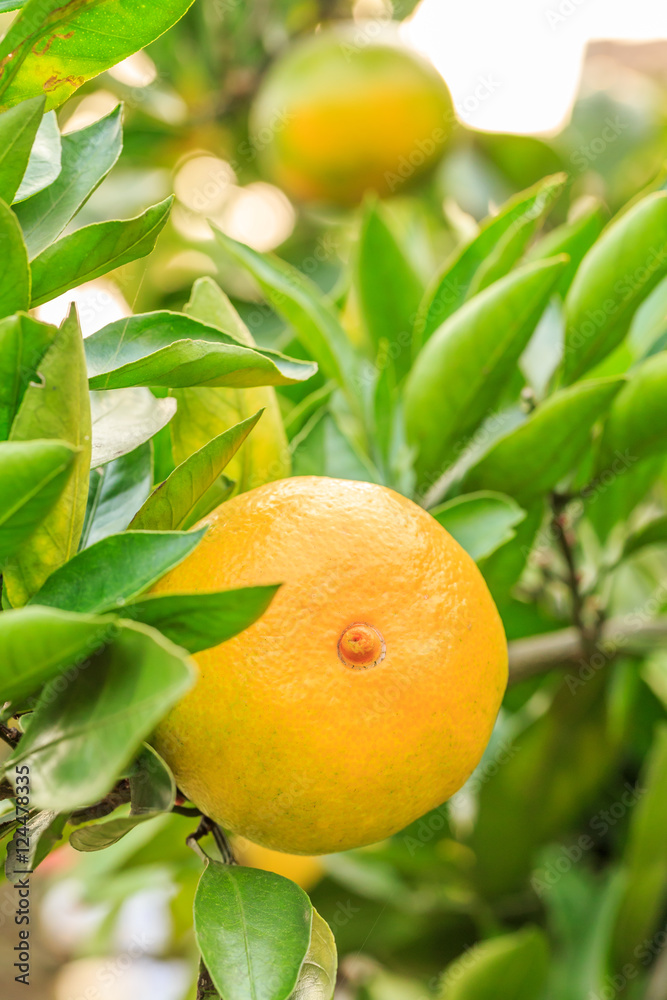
[[366, 693], [347, 110]]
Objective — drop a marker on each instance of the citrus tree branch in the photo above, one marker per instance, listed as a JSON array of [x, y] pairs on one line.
[[629, 635]]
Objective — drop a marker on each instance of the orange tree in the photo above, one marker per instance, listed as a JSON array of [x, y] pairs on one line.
[[517, 397]]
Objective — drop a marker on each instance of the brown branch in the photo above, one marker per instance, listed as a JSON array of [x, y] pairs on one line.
[[10, 736], [628, 635], [205, 988], [117, 797]]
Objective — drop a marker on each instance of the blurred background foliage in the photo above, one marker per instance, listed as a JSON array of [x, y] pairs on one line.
[[508, 891]]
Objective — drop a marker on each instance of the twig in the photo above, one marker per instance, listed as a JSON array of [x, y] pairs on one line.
[[205, 988], [117, 797], [622, 635], [566, 546], [10, 736], [207, 825], [186, 810]]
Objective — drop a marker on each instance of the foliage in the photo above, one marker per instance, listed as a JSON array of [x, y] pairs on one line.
[[516, 391]]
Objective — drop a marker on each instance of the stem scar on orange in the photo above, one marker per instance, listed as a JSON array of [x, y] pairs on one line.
[[366, 693]]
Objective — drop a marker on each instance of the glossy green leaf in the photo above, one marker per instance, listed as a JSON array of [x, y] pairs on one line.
[[203, 412], [298, 299], [23, 343], [200, 621], [618, 272], [87, 157], [45, 159], [8, 5], [18, 128], [480, 522], [645, 862], [57, 407], [450, 288], [82, 736], [93, 250], [15, 272], [322, 449], [533, 458], [637, 423], [463, 369], [388, 288], [44, 830], [123, 419], [253, 929], [37, 644], [172, 349], [53, 49], [652, 533], [317, 978], [108, 574], [573, 238], [33, 474], [152, 791], [519, 961], [117, 491], [513, 242], [169, 506]]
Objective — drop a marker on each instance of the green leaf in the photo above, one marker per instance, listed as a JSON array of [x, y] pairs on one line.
[[317, 979], [53, 49], [37, 644], [203, 413], [322, 449], [615, 276], [253, 929], [8, 5], [551, 773], [463, 369], [480, 522], [81, 737], [389, 290], [93, 250], [169, 506], [15, 272], [152, 791], [33, 474], [87, 157], [573, 238], [653, 533], [123, 419], [301, 303], [172, 349], [44, 830], [200, 621], [513, 242], [519, 961], [645, 861], [450, 288], [45, 159], [117, 491], [108, 574], [533, 458], [18, 128], [59, 408], [637, 421], [23, 343]]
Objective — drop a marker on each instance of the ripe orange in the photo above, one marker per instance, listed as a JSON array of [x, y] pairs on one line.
[[347, 110], [364, 696]]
